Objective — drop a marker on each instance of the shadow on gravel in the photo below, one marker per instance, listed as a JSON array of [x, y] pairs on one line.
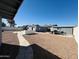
[[31, 34], [8, 51], [40, 53]]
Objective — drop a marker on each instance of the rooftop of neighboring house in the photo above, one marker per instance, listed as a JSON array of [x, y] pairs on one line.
[[33, 25], [49, 26]]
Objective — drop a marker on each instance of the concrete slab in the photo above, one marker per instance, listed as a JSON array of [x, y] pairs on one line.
[[25, 51]]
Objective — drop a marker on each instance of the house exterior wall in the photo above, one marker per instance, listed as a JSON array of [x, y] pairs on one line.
[[75, 33], [66, 30], [29, 28], [33, 28], [52, 29], [38, 28], [42, 29]]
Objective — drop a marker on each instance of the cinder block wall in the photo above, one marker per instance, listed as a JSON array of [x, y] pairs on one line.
[[11, 29], [75, 33]]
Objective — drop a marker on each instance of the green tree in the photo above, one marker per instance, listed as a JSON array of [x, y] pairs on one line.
[[12, 23], [3, 24]]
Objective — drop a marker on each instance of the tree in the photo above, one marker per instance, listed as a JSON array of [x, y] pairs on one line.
[[12, 23], [3, 24]]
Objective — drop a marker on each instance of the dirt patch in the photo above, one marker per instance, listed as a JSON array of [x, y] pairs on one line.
[[63, 47], [10, 38]]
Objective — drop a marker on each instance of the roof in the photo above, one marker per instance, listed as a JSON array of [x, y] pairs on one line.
[[9, 8]]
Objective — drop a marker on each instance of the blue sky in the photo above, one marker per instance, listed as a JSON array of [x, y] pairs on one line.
[[61, 12]]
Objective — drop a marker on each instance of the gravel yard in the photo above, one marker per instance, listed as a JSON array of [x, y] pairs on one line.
[[63, 47], [46, 45], [10, 38]]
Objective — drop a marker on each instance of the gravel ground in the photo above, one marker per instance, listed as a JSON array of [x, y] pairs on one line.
[[10, 38], [9, 48], [63, 47], [46, 45]]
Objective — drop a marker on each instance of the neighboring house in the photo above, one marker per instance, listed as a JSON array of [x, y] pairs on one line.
[[37, 28], [42, 29], [61, 29], [32, 27], [64, 29]]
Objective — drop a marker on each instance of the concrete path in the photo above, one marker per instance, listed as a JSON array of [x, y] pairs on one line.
[[25, 51], [22, 41]]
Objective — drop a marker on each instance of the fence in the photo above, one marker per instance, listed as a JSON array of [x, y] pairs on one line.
[[11, 29]]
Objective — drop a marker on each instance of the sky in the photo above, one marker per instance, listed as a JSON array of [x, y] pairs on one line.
[[61, 12]]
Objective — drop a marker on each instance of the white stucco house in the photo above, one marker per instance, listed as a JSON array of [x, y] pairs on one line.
[[37, 28], [64, 29]]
